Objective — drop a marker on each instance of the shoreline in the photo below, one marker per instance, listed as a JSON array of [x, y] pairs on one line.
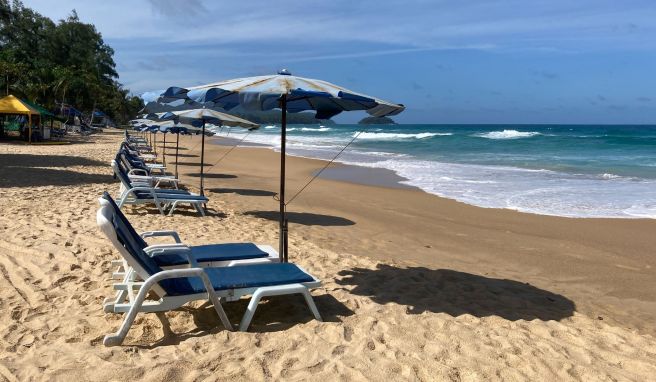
[[339, 171], [385, 177]]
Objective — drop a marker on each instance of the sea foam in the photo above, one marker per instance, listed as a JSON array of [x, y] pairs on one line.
[[508, 134], [394, 136], [321, 128]]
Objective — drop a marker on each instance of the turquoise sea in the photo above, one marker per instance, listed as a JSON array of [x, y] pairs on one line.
[[563, 170]]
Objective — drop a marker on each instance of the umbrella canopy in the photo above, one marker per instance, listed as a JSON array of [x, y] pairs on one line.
[[289, 93], [199, 117], [177, 129], [263, 93]]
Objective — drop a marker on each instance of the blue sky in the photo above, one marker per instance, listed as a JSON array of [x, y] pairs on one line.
[[478, 61]]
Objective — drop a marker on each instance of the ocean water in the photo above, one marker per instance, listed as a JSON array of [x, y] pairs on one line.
[[562, 170]]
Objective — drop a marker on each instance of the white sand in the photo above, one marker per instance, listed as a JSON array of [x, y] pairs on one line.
[[384, 321]]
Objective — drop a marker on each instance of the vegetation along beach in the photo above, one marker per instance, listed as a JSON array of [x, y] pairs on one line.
[[430, 192]]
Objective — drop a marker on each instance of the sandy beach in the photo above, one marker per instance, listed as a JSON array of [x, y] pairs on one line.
[[415, 287]]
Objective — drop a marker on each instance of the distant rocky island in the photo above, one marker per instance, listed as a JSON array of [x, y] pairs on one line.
[[377, 121]]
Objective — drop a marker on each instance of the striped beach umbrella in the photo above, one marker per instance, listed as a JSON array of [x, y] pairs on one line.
[[290, 94], [198, 118]]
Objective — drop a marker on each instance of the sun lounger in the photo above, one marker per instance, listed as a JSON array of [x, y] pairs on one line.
[[138, 172], [138, 162], [143, 154], [179, 254], [138, 142], [174, 288], [143, 193]]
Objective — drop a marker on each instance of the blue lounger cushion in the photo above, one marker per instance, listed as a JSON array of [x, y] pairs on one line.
[[214, 252], [167, 196], [242, 276], [222, 278]]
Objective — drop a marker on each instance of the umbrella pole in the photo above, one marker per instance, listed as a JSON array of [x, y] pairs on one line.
[[177, 144], [283, 213], [164, 151], [202, 159]]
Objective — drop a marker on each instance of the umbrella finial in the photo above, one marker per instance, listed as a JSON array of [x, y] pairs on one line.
[[284, 72]]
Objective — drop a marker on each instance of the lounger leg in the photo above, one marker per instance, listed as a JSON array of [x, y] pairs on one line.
[[121, 295], [159, 206], [310, 303], [200, 209], [121, 201], [175, 204], [216, 301], [276, 291], [118, 337], [250, 311]]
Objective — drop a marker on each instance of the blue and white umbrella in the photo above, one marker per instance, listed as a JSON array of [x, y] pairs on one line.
[[198, 118], [177, 129], [290, 94]]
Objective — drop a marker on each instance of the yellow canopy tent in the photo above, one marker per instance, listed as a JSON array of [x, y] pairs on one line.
[[13, 105]]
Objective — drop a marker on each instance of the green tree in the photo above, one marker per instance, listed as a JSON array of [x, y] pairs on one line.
[[67, 61]]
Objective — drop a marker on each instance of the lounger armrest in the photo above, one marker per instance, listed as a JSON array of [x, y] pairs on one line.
[[143, 187], [138, 172], [173, 234], [167, 249], [159, 249], [140, 185], [154, 251], [141, 180]]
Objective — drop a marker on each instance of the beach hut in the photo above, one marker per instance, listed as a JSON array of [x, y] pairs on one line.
[[11, 105], [45, 114]]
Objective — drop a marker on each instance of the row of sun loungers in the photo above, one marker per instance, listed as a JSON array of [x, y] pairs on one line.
[[163, 277], [140, 182]]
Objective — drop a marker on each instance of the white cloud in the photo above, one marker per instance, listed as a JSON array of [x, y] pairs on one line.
[[410, 23]]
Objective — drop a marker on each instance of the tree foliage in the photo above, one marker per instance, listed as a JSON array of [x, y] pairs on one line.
[[66, 61]]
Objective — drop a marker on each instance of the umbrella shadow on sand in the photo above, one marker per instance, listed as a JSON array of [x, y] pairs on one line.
[[456, 293], [29, 160], [273, 314], [172, 148], [213, 176], [303, 218], [243, 191], [172, 155], [183, 210], [196, 164], [39, 177]]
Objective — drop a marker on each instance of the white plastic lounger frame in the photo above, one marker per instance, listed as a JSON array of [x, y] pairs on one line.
[[126, 274], [180, 247], [140, 175], [161, 199], [135, 304], [139, 304]]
